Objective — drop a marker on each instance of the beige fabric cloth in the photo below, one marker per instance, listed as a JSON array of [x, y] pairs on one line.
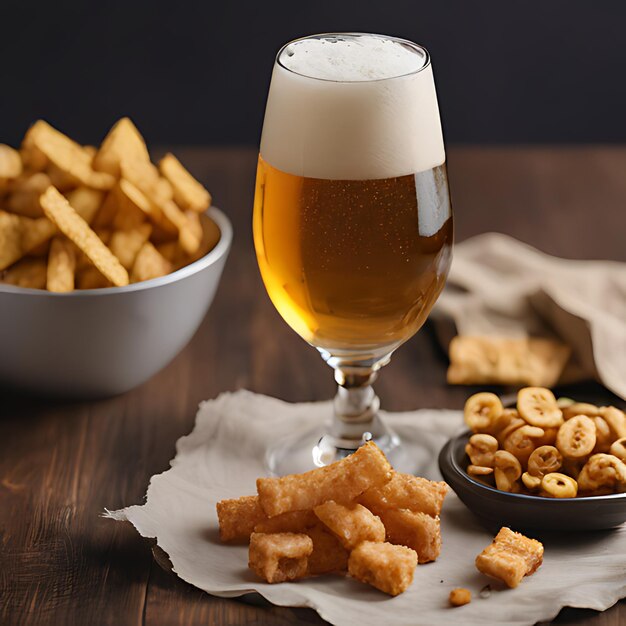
[[225, 454], [499, 286]]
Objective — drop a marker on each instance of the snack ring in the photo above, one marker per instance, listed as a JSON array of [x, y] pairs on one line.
[[521, 442], [603, 435], [481, 410], [481, 449], [531, 482], [538, 407], [577, 437], [602, 470], [580, 408], [544, 460], [618, 449], [559, 485], [507, 470], [512, 422], [616, 420], [477, 470]]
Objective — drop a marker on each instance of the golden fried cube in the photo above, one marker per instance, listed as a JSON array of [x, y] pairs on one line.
[[405, 491], [328, 555], [351, 524], [280, 556], [460, 596], [341, 481], [383, 565], [292, 522], [417, 531], [238, 517], [510, 557]]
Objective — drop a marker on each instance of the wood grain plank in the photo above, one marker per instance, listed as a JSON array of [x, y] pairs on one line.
[[61, 463]]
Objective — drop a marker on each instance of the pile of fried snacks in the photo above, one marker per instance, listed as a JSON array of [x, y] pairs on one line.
[[557, 449], [356, 515], [80, 217]]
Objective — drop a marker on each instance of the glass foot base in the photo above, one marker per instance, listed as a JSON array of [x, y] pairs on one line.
[[300, 453]]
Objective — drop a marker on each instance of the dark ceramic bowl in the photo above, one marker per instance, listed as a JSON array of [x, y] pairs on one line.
[[519, 511]]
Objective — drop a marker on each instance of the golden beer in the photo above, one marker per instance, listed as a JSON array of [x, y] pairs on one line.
[[352, 265]]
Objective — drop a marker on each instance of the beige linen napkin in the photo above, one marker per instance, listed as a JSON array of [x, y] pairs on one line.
[[225, 453], [500, 287]]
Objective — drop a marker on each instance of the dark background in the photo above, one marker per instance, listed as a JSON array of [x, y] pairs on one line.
[[197, 72]]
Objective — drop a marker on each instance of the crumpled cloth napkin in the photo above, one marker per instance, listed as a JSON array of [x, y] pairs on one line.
[[224, 455], [499, 286]]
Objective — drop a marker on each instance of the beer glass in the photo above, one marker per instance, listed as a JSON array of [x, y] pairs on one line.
[[352, 220]]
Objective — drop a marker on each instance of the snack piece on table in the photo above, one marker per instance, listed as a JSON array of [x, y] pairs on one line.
[[618, 449], [238, 517], [580, 408], [61, 266], [538, 407], [74, 227], [482, 410], [279, 557], [351, 524], [342, 481], [292, 522], [460, 596], [387, 567], [21, 235], [523, 441], [25, 192], [123, 142], [328, 555], [126, 244], [507, 471], [557, 485], [616, 419], [506, 361], [10, 164], [188, 192], [418, 531], [576, 437], [149, 263], [405, 491], [29, 273], [67, 156], [510, 557], [544, 460], [603, 472], [481, 449]]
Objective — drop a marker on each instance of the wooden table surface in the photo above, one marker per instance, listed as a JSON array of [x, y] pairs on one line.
[[62, 463]]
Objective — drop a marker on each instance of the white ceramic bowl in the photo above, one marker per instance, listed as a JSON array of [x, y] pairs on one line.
[[101, 342]]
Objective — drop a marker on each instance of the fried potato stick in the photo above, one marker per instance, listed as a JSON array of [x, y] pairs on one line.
[[351, 524], [510, 557], [341, 481], [405, 491], [417, 531], [74, 227], [387, 567], [237, 517], [279, 557], [61, 266]]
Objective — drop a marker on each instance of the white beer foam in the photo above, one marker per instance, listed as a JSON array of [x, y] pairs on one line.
[[352, 59], [359, 112]]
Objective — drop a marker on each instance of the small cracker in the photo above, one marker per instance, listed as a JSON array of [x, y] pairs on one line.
[[59, 211]]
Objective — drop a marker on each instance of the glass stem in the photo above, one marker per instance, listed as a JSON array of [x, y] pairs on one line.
[[356, 404]]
